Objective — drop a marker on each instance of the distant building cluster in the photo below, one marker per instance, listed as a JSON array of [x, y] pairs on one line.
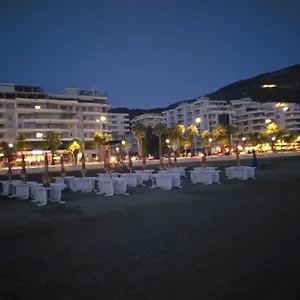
[[246, 115], [80, 113]]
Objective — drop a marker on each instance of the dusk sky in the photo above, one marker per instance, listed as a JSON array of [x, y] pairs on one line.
[[145, 53]]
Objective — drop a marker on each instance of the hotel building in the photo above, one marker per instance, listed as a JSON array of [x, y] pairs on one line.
[[72, 113]]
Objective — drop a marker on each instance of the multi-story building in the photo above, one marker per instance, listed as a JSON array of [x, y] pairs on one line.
[[148, 120], [251, 116], [204, 113], [118, 125], [72, 113]]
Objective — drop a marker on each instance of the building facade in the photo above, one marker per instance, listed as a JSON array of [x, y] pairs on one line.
[[118, 125], [148, 120], [204, 113], [251, 116], [72, 113]]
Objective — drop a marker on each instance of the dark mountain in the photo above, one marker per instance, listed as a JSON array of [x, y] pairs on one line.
[[284, 86]]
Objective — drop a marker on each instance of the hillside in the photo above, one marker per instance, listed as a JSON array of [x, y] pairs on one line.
[[286, 89]]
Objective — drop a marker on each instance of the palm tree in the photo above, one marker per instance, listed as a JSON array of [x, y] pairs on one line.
[[273, 132], [206, 136], [192, 132], [139, 131], [220, 135], [159, 130], [21, 142], [177, 132], [291, 138], [75, 146], [101, 141], [53, 143], [7, 151], [230, 130], [185, 142]]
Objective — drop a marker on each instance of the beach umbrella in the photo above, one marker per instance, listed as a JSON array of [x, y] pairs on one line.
[[144, 162], [9, 171], [203, 161], [46, 178], [254, 155], [62, 170], [23, 174], [83, 168], [130, 163], [106, 161], [238, 156], [169, 159]]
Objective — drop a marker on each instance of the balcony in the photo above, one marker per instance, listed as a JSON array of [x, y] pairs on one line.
[[47, 121]]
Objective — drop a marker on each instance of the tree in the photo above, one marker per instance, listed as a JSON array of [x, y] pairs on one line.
[[53, 143], [221, 137], [21, 142], [139, 131], [75, 146], [185, 142], [191, 133], [274, 132], [230, 130], [205, 137], [176, 134], [291, 138], [254, 138], [160, 130], [101, 141], [7, 152]]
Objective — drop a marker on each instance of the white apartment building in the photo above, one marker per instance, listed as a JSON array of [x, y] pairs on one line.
[[118, 125], [251, 116], [148, 120], [210, 113], [72, 113]]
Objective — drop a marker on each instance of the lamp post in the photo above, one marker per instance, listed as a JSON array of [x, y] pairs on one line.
[[100, 121], [197, 121], [244, 140], [209, 144]]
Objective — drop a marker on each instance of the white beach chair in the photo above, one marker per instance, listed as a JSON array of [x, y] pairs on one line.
[[22, 191], [41, 196], [106, 187]]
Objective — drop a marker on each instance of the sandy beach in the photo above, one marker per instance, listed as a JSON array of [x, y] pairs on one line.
[[237, 240]]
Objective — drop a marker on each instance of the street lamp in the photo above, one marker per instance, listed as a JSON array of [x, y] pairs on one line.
[[123, 142], [268, 121], [10, 145], [198, 120], [243, 139], [273, 138], [167, 141]]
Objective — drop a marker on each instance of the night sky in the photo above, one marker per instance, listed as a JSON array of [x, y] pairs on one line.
[[145, 53]]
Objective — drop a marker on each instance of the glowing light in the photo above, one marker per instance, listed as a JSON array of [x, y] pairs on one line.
[[39, 135], [285, 108], [210, 140], [113, 159], [273, 138], [268, 121], [10, 145], [37, 107], [198, 120], [102, 118], [243, 139], [268, 86], [123, 142], [281, 105], [167, 141]]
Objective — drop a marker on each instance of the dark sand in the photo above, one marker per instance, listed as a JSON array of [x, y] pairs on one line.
[[238, 240]]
